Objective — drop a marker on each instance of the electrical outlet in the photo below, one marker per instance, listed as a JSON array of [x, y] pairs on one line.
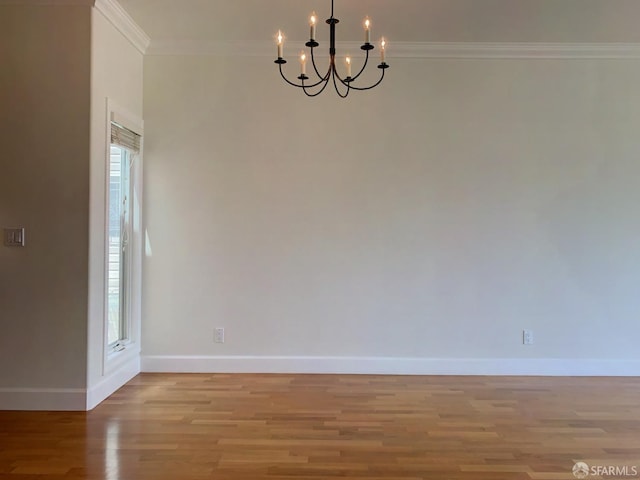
[[527, 337], [218, 335]]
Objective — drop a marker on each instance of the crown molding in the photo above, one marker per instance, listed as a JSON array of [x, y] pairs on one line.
[[196, 47], [111, 10], [47, 2], [516, 50], [120, 19], [416, 50]]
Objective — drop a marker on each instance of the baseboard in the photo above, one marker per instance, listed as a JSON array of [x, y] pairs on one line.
[[48, 399], [390, 365], [78, 399], [68, 399], [112, 382]]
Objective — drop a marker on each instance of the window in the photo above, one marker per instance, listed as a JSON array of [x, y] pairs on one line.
[[118, 265], [123, 154]]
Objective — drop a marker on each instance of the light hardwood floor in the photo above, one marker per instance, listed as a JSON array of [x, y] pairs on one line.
[[193, 426]]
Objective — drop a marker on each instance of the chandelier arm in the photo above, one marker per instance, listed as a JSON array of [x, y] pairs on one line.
[[324, 80], [286, 79], [313, 61], [335, 84], [299, 86], [366, 60], [337, 75], [306, 92], [372, 86]]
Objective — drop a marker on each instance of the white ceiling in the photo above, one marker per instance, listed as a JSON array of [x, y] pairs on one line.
[[548, 21]]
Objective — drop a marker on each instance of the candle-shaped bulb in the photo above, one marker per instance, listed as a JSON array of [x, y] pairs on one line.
[[303, 62], [280, 43], [383, 46], [313, 19], [347, 61], [367, 30]]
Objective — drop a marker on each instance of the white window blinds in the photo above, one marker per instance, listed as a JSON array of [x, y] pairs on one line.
[[125, 138]]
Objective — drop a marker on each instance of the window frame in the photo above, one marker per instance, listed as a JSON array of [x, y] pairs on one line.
[[120, 352], [128, 158]]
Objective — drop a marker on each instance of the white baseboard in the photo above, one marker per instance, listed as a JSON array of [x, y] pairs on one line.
[[78, 399], [68, 399], [112, 382], [50, 399], [389, 365]]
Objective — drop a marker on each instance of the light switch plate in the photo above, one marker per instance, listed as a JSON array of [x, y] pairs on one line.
[[14, 237]]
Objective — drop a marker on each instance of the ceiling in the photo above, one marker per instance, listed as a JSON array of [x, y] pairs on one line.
[[547, 21]]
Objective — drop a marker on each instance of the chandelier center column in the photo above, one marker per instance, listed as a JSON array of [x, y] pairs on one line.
[[332, 36]]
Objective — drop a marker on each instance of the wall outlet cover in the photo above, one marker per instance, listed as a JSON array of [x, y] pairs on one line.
[[218, 335]]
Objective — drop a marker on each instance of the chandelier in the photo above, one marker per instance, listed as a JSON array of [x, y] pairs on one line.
[[342, 84]]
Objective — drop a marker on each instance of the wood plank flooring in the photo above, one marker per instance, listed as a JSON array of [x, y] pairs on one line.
[[276, 427]]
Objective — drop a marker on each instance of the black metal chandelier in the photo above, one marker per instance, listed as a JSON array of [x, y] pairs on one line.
[[342, 85]]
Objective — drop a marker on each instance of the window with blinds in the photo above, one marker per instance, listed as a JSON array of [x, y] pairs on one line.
[[125, 146]]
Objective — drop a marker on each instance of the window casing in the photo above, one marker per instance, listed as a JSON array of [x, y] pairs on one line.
[[123, 250]]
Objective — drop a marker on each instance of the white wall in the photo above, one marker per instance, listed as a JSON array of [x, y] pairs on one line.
[[116, 74], [415, 228], [44, 171]]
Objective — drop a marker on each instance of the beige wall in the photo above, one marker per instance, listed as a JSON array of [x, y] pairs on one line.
[[432, 218], [44, 130], [60, 63]]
